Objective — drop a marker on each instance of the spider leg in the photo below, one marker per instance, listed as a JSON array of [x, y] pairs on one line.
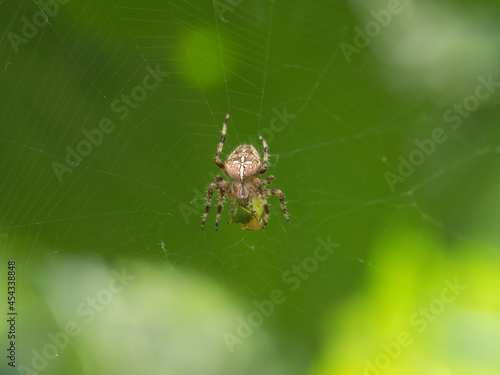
[[279, 193], [250, 206], [267, 180], [213, 186], [217, 160], [220, 205], [265, 163], [266, 209], [222, 186], [232, 209]]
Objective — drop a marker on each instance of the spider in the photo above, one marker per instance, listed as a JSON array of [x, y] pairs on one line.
[[244, 167]]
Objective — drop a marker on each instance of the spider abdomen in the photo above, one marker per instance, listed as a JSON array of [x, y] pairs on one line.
[[243, 163]]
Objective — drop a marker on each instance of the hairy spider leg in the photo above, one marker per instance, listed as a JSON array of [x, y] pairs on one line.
[[279, 193], [232, 209], [266, 209], [220, 205], [267, 180], [217, 160], [220, 185], [265, 163]]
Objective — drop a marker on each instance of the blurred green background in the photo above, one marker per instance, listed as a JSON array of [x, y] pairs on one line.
[[382, 123]]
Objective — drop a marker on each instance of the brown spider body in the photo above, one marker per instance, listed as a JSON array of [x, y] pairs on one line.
[[244, 166]]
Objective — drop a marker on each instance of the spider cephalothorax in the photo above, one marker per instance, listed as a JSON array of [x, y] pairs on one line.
[[243, 165]]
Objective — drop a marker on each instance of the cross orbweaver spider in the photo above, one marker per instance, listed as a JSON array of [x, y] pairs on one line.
[[244, 167]]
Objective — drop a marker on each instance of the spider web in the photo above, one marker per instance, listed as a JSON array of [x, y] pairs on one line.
[[111, 115]]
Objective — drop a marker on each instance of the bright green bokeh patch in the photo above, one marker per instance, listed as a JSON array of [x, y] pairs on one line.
[[198, 59], [404, 296]]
